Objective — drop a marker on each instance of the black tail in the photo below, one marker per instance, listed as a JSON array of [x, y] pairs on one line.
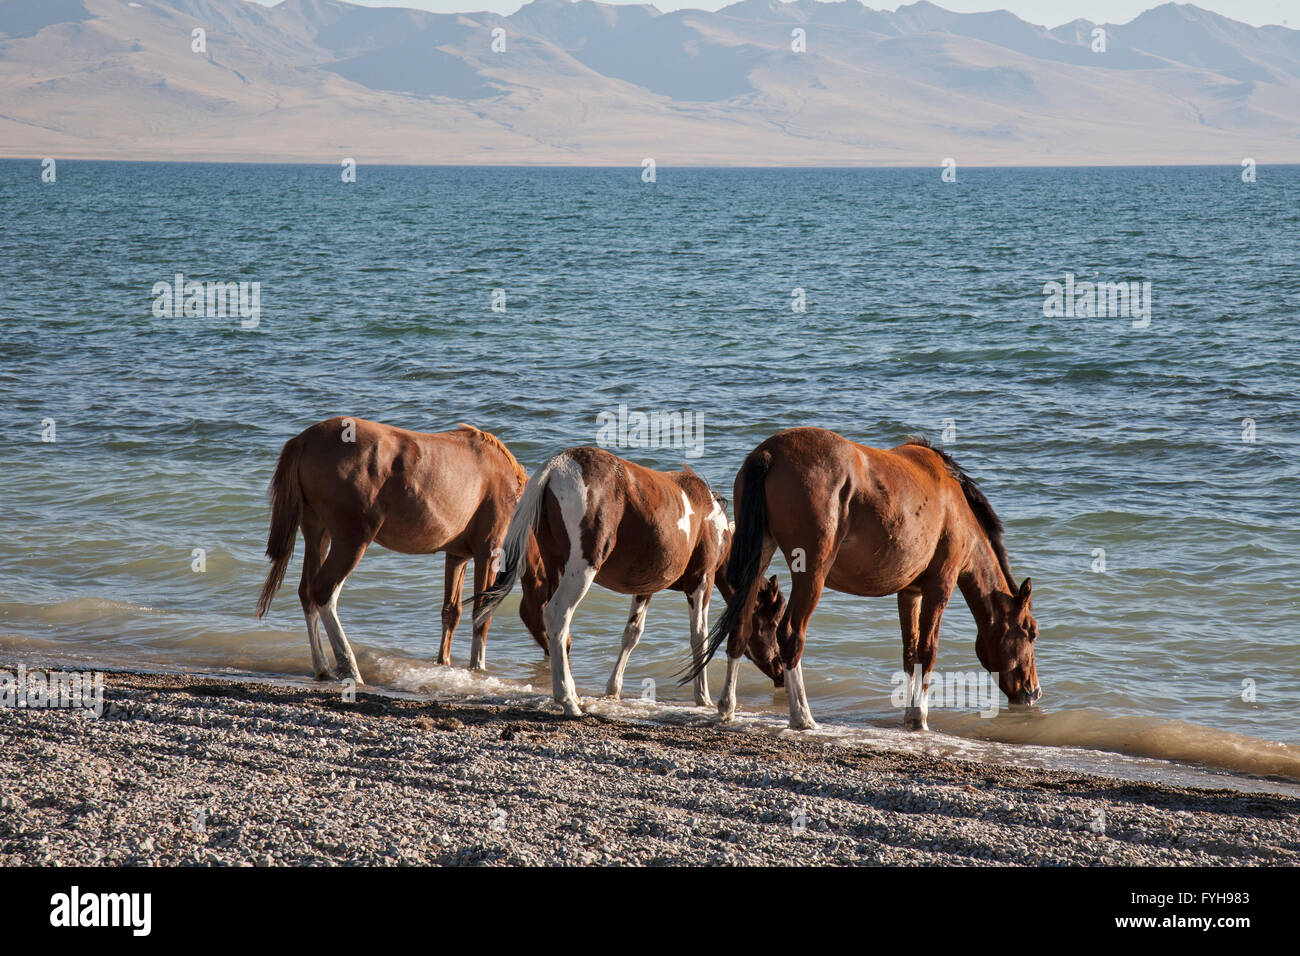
[[746, 554], [514, 549]]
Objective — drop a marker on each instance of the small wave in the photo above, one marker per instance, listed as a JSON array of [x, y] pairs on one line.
[[1173, 740]]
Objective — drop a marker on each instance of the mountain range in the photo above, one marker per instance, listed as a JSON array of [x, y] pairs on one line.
[[577, 83]]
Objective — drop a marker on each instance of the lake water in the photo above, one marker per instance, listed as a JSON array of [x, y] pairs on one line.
[[1147, 467]]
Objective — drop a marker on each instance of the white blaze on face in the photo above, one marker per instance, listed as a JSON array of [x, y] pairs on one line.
[[685, 522]]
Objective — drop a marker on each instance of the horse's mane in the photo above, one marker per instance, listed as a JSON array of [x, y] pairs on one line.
[[979, 505], [497, 443]]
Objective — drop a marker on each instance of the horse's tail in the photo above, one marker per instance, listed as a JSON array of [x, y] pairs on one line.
[[522, 523], [285, 495], [746, 554]]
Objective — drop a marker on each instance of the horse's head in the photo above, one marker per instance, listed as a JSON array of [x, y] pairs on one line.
[[761, 647], [1008, 647]]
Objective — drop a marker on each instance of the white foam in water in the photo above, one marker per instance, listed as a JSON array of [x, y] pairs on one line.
[[436, 680]]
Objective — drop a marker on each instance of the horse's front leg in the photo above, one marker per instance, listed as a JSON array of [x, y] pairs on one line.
[[927, 648], [909, 620]]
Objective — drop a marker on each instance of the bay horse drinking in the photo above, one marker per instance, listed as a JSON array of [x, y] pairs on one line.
[[871, 522], [347, 482], [602, 519]]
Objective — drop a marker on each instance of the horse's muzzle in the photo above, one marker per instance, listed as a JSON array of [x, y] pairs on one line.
[[1028, 698]]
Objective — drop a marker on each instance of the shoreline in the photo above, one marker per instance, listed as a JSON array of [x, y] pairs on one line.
[[199, 769]]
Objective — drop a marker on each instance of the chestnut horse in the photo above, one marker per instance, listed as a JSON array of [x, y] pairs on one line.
[[599, 518], [866, 521], [347, 482]]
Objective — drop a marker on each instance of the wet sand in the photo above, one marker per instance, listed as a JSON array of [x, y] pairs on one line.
[[201, 770]]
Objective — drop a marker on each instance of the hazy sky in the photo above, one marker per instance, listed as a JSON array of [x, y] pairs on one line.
[[1050, 13]]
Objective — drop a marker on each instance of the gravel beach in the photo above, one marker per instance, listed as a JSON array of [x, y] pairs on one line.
[[199, 770]]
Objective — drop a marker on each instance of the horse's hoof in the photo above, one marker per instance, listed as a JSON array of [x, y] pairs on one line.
[[572, 710], [912, 720], [725, 717], [324, 675], [803, 724]]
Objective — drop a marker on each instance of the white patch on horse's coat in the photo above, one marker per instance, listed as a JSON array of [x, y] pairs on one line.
[[685, 522], [719, 521], [567, 484]]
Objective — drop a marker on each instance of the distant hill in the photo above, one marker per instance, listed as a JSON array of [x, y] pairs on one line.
[[592, 83]]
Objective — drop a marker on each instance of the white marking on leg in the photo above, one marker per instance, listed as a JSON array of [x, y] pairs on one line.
[[685, 522], [800, 716], [345, 661], [319, 665], [570, 490], [923, 695], [727, 702], [699, 605], [631, 635], [573, 586]]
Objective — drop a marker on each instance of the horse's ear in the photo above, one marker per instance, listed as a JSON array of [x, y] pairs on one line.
[[1026, 589]]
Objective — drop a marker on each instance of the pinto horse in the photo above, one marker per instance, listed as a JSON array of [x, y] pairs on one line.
[[871, 522], [347, 482], [601, 519]]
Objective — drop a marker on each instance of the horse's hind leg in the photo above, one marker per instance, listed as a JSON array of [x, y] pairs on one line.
[[805, 592], [484, 575], [698, 600], [451, 604], [315, 541], [631, 634], [558, 614], [325, 587]]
